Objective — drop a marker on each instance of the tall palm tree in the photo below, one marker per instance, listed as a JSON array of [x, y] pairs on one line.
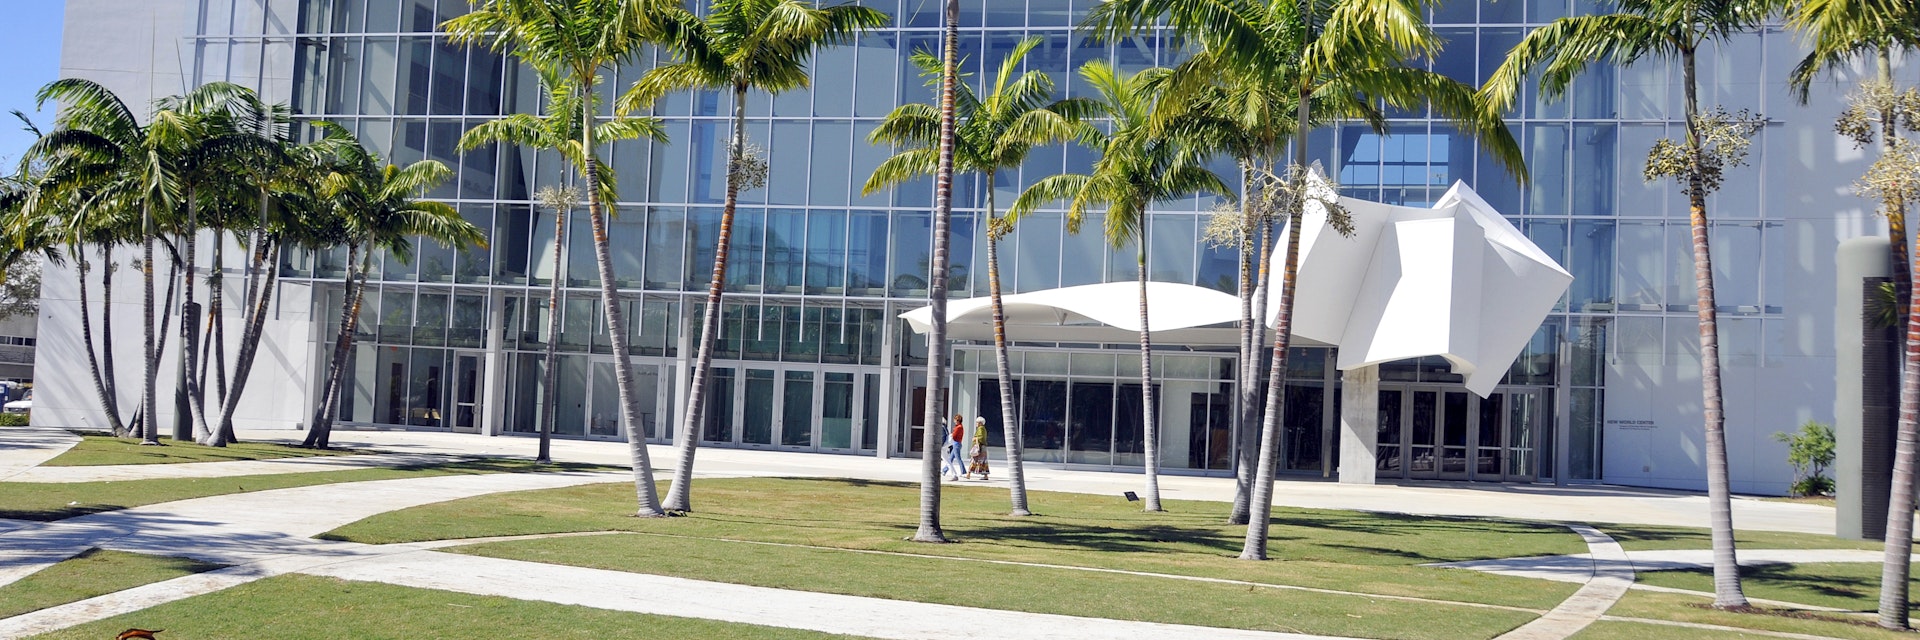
[[741, 45], [101, 146], [1665, 30], [991, 134], [1345, 56], [291, 210], [1140, 165], [378, 207], [559, 130], [579, 42], [1841, 32]]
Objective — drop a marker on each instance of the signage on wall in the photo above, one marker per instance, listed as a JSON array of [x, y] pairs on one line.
[[1636, 425]]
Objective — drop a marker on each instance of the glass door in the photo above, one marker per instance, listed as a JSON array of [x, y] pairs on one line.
[[838, 400], [467, 379], [797, 410], [1390, 457], [717, 418], [756, 408], [1489, 456], [603, 413], [1456, 419], [1422, 455], [1526, 412]]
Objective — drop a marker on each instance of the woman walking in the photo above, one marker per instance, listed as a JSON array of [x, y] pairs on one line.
[[952, 464], [979, 451]]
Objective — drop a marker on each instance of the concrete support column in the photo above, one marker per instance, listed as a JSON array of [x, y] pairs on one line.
[[493, 405], [1867, 370], [889, 387], [1359, 424]]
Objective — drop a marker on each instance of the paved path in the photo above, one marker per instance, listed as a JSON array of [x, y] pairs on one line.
[[24, 448], [1609, 577], [227, 468], [268, 533], [1580, 567], [1583, 504]]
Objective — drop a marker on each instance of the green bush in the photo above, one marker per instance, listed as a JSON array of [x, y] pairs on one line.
[[1810, 451], [13, 419]]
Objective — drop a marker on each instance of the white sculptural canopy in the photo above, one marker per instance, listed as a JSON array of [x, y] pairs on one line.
[[1455, 280]]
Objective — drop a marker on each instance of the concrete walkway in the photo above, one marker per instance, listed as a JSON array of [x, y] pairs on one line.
[[24, 448], [228, 468], [1609, 578], [269, 533], [1580, 567], [1583, 504]]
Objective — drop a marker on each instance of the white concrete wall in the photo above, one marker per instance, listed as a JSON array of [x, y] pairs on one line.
[[139, 49], [1774, 378]]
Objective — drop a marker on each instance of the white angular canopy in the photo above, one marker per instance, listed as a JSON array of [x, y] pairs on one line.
[[1456, 281]]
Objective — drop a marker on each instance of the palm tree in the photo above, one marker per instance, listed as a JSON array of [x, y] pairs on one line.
[[1842, 31], [559, 130], [291, 210], [741, 45], [377, 206], [1668, 30], [101, 146], [578, 42], [991, 135], [1140, 165], [1346, 56]]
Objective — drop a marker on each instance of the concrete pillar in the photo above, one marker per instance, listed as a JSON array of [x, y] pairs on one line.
[[890, 382], [1863, 402], [1359, 424], [493, 396]]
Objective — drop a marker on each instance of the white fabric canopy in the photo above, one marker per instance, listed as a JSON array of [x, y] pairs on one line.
[[1456, 281], [1107, 312]]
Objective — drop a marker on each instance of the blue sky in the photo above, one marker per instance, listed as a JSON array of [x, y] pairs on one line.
[[30, 43]]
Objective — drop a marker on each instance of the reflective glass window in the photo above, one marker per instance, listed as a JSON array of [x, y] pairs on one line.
[[826, 251], [1591, 262], [875, 74], [911, 253], [377, 79], [786, 250], [749, 247], [832, 143], [866, 253], [1593, 170], [1638, 264], [1546, 147], [1170, 255], [1736, 266], [703, 234], [1498, 11], [787, 163]]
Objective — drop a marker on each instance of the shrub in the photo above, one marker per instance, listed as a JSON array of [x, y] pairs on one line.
[[1810, 451], [13, 419]]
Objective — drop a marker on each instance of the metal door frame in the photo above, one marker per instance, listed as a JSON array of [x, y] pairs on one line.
[[479, 403]]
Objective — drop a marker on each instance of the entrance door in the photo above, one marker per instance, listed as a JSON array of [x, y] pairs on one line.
[[810, 409], [467, 377], [1456, 418], [756, 408], [839, 408], [603, 402], [1422, 424]]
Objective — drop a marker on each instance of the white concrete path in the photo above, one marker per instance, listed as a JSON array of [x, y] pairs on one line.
[[1580, 567], [227, 468], [269, 533], [24, 448], [1610, 577], [1588, 504]]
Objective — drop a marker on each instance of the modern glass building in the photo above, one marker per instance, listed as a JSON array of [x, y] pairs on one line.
[[813, 357]]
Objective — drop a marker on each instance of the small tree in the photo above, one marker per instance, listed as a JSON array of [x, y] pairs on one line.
[[1810, 451]]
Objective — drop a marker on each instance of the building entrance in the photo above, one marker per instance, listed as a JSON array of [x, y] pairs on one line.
[[793, 408], [1445, 433]]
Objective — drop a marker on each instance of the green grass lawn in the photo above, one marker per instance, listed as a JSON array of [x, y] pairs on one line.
[[96, 450], [57, 500], [1633, 537], [90, 574], [1845, 585], [297, 607], [1338, 550], [1685, 608]]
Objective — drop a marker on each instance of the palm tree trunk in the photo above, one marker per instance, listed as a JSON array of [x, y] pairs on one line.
[[551, 377], [645, 493], [150, 354], [217, 335], [1895, 569], [1249, 362], [1009, 421], [929, 529], [680, 492], [1726, 567], [249, 344], [107, 401], [112, 398], [321, 428], [190, 334], [1255, 546], [1150, 430]]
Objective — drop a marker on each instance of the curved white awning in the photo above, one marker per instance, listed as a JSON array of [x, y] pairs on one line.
[[1107, 312]]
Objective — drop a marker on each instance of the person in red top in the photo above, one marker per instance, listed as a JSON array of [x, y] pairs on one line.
[[952, 463]]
